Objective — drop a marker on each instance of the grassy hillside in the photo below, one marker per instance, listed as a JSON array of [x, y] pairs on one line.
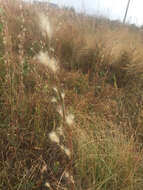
[[71, 100]]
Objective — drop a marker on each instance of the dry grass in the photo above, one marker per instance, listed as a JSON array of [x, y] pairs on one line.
[[71, 101]]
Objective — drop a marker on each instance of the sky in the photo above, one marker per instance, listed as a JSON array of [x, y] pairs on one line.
[[113, 9]]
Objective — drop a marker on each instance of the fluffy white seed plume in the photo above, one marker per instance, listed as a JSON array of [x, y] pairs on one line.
[[60, 111], [70, 177], [52, 49], [63, 95], [47, 185], [70, 119], [45, 25], [55, 89], [51, 63], [66, 150], [54, 100], [44, 168], [54, 137], [67, 174]]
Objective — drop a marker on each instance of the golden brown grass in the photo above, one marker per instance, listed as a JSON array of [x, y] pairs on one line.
[[97, 71]]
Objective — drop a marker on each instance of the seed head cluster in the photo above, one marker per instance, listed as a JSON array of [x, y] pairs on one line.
[[58, 99], [54, 137], [51, 63]]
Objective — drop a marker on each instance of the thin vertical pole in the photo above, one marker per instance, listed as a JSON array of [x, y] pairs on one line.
[[127, 8]]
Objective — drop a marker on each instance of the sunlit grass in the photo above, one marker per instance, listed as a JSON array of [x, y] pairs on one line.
[[71, 101]]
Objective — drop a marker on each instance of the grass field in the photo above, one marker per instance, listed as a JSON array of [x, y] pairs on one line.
[[71, 99]]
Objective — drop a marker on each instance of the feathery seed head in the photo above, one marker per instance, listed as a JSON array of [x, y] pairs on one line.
[[47, 185], [51, 63], [67, 174], [42, 57], [60, 111], [54, 137], [70, 177], [63, 95], [20, 6], [54, 100], [66, 150], [44, 168], [45, 25], [55, 89], [52, 49], [70, 119]]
